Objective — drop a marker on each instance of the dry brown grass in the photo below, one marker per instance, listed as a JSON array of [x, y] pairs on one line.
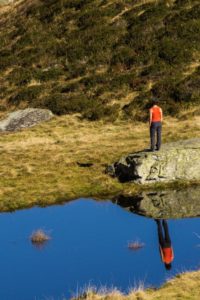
[[184, 286], [42, 165], [135, 245], [39, 237]]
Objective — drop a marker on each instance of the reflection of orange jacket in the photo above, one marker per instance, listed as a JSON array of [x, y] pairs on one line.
[[167, 254]]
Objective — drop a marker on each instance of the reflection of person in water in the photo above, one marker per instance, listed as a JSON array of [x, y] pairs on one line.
[[166, 250]]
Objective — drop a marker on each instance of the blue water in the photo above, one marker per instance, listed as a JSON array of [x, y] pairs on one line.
[[88, 247]]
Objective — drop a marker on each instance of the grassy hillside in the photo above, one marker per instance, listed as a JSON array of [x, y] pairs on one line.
[[65, 159], [100, 58]]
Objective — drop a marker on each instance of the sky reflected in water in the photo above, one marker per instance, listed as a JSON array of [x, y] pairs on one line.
[[88, 247]]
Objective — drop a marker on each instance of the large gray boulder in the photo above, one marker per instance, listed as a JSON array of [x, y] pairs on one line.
[[168, 204], [25, 118], [175, 161]]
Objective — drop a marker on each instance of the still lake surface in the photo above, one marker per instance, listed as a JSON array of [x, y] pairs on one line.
[[88, 247]]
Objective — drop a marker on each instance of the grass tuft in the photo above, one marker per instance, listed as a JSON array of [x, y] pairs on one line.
[[184, 286], [136, 245], [39, 237]]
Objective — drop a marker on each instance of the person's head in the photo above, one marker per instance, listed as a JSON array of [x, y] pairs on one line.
[[168, 266], [154, 102]]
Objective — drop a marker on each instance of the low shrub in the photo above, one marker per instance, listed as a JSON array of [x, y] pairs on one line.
[[53, 40], [154, 14], [164, 89], [28, 94], [47, 12], [94, 80], [23, 41], [77, 4], [19, 76], [137, 111], [173, 51], [118, 81], [90, 18], [27, 57], [3, 90], [50, 74], [61, 104], [181, 95], [100, 111], [124, 55], [6, 60], [192, 13], [69, 88]]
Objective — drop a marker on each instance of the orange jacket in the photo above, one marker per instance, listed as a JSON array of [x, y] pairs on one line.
[[156, 114]]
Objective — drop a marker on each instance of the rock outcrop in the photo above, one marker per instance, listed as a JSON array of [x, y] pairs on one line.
[[25, 118], [175, 161], [168, 204]]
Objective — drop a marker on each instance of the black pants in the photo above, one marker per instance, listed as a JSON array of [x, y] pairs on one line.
[[164, 240], [155, 129]]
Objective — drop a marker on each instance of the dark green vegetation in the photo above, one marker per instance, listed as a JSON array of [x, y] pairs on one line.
[[88, 56]]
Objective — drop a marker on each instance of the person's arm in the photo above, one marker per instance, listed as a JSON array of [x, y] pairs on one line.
[[172, 253], [161, 254], [150, 117], [161, 115]]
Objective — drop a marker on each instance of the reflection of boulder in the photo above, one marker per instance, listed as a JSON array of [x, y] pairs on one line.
[[25, 118], [163, 204], [175, 161]]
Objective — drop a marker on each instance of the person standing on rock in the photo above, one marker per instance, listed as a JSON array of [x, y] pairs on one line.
[[155, 123], [165, 246]]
